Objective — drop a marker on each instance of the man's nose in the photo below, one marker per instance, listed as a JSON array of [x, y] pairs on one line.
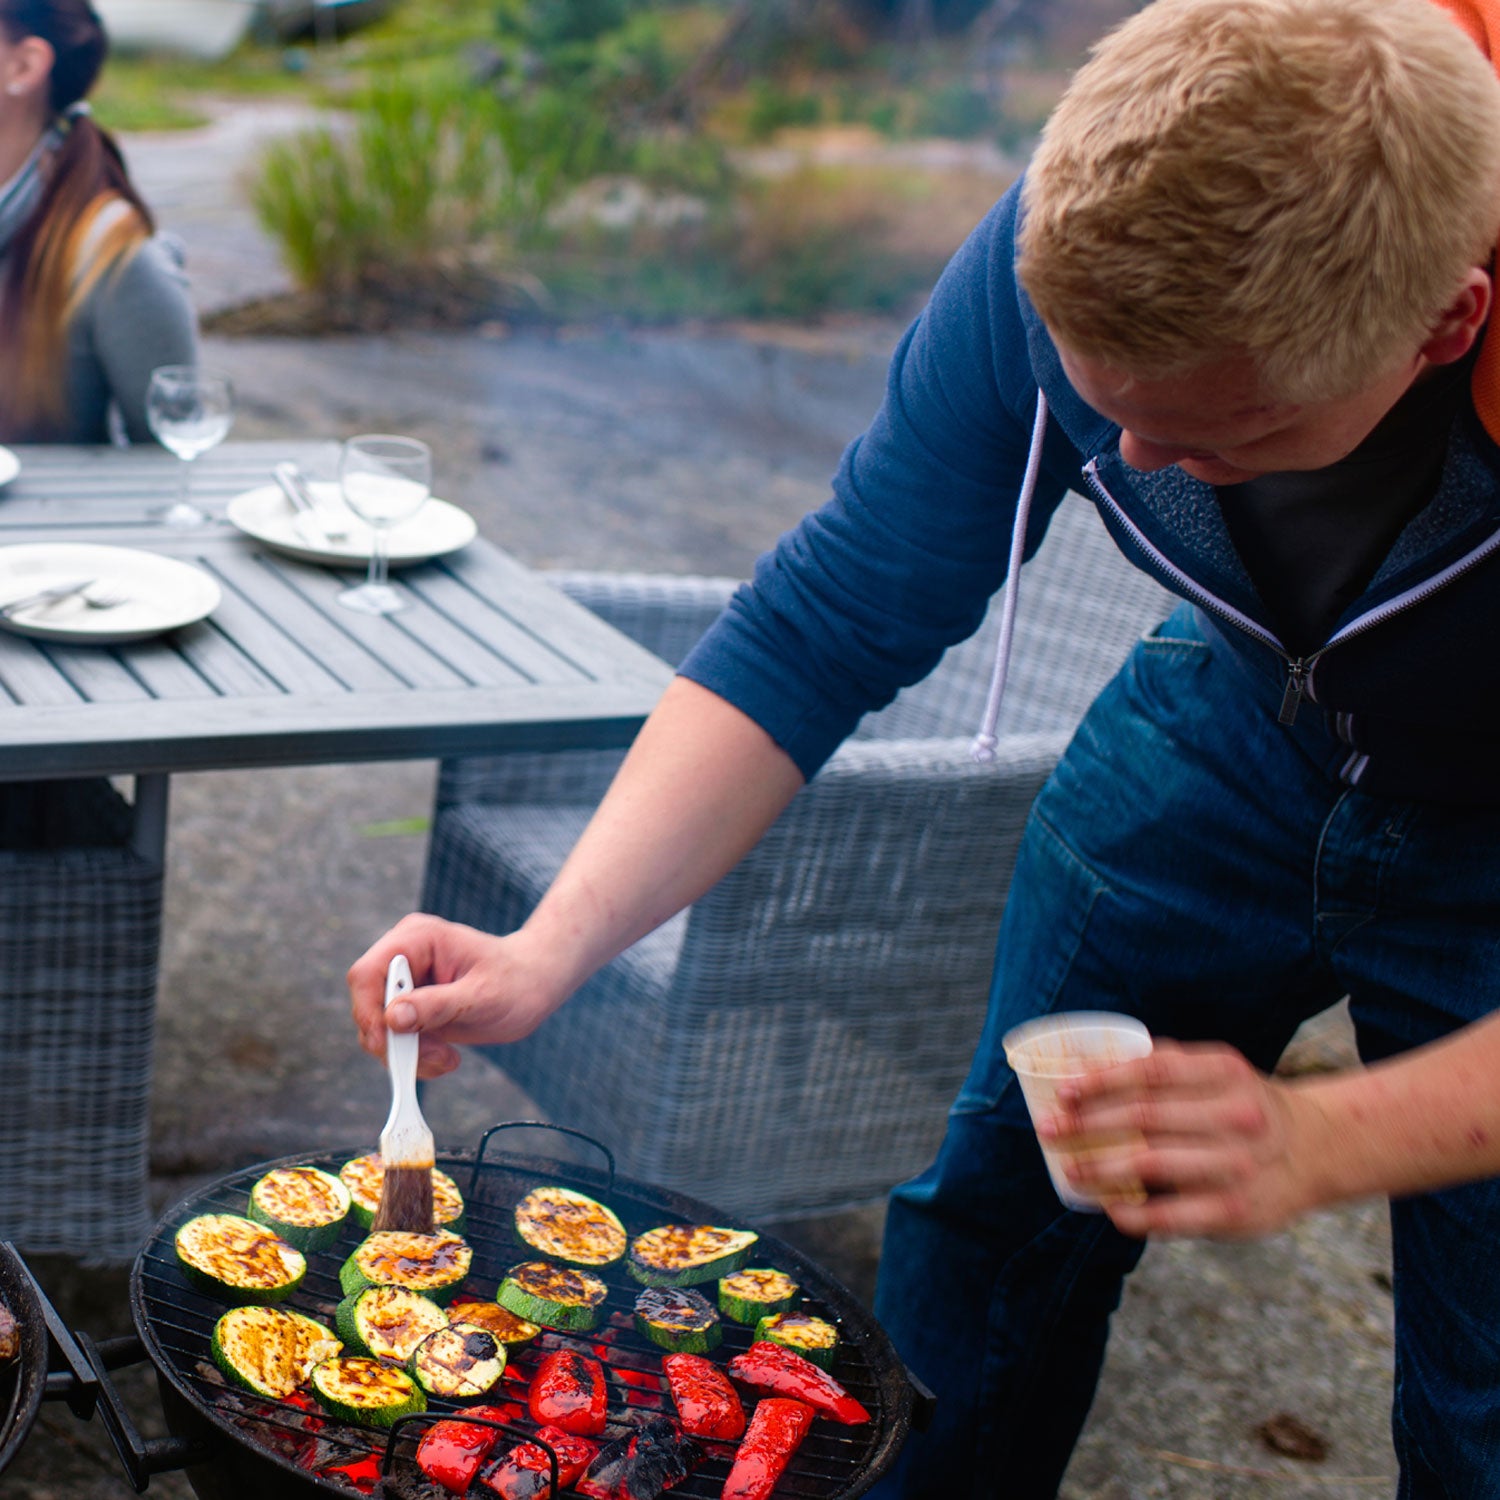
[[1141, 453]]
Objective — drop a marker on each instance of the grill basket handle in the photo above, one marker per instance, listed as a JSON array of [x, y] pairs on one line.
[[423, 1418], [484, 1141], [141, 1457], [76, 1384]]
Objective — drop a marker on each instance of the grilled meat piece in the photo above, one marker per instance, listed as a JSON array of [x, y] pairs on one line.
[[10, 1336]]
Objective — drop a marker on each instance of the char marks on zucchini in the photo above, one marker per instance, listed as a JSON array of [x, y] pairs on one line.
[[387, 1322], [227, 1255], [304, 1205], [678, 1319], [432, 1264], [686, 1254], [367, 1392], [554, 1296], [570, 1227], [270, 1351]]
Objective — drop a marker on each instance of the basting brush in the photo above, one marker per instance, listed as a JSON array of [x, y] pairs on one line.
[[406, 1147]]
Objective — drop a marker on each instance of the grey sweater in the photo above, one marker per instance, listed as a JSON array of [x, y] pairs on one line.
[[136, 317]]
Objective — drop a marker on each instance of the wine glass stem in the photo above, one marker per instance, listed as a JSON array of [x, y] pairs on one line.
[[378, 562], [185, 488]]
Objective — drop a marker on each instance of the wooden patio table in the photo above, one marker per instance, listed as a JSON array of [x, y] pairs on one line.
[[487, 658]]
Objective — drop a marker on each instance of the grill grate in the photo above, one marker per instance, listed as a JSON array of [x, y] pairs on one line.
[[175, 1322]]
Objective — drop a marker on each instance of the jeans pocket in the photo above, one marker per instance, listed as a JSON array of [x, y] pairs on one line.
[[1052, 895]]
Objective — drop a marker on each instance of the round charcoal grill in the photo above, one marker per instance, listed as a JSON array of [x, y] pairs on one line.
[[23, 1381], [247, 1447]]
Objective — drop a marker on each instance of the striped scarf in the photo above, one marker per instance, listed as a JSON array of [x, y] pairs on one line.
[[20, 196]]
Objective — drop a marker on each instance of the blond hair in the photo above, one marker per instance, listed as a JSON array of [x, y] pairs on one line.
[[1306, 182]]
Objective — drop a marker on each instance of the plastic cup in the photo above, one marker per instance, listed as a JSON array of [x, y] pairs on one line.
[[1049, 1051]]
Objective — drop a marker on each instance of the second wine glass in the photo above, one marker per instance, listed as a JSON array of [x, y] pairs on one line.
[[189, 411], [385, 480]]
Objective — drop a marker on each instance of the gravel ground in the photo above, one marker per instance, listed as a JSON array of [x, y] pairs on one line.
[[683, 451]]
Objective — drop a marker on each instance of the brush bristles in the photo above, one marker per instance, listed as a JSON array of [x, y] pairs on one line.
[[406, 1201]]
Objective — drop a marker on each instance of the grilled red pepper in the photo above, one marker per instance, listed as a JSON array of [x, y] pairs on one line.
[[705, 1400], [526, 1471], [777, 1428], [567, 1391], [772, 1370], [451, 1452]]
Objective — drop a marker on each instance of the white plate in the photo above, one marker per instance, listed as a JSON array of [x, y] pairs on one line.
[[267, 515], [10, 466], [164, 594]]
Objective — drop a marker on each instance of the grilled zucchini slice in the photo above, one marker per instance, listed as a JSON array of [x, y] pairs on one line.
[[554, 1296], [305, 1206], [490, 1316], [808, 1336], [686, 1254], [364, 1176], [270, 1351], [748, 1296], [367, 1392], [570, 1227], [228, 1256], [432, 1264], [679, 1319], [459, 1362], [387, 1322]]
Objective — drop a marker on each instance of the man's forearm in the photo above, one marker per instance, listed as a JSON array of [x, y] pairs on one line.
[[699, 787], [1415, 1123]]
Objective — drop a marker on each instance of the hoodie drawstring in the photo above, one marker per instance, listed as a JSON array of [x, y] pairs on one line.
[[983, 748]]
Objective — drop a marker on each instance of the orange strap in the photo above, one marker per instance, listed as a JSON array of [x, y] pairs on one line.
[[1481, 19]]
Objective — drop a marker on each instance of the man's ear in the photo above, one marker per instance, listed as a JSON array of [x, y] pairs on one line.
[[30, 67], [1463, 321]]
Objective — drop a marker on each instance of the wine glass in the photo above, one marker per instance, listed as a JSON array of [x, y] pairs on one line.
[[189, 411], [385, 480]]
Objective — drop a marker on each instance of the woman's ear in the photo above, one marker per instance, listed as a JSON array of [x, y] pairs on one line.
[[29, 68], [1462, 321]]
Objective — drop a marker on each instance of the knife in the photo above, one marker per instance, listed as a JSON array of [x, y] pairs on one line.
[[310, 524]]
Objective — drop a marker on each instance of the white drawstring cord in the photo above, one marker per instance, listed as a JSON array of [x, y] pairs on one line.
[[983, 748]]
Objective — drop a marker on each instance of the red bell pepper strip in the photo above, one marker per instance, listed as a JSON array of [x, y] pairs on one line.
[[707, 1404], [773, 1370], [526, 1472], [567, 1391], [450, 1452], [777, 1428]]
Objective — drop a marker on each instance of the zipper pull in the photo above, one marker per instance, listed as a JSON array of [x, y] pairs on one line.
[[1296, 689]]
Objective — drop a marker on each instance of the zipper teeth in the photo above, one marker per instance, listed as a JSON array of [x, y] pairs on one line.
[[1189, 587], [1415, 595]]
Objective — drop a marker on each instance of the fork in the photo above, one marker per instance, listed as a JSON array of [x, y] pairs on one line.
[[52, 595], [103, 595]]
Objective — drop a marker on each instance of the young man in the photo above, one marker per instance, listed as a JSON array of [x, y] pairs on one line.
[[1239, 300]]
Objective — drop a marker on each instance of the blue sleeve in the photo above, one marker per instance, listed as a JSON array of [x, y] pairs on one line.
[[865, 595]]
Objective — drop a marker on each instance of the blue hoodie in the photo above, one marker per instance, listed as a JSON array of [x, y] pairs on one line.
[[863, 596]]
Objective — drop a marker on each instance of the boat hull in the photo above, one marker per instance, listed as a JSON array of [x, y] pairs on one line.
[[206, 29]]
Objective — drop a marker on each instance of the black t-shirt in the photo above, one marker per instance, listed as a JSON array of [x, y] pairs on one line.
[[1312, 540]]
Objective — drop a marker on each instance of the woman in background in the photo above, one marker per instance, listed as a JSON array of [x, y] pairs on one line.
[[90, 302]]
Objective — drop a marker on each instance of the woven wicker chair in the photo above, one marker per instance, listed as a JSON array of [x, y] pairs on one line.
[[791, 1043], [80, 930]]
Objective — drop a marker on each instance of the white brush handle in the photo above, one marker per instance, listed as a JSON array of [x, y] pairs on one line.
[[401, 1048]]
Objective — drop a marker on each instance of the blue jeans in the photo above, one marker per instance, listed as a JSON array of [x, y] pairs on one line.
[[1194, 863]]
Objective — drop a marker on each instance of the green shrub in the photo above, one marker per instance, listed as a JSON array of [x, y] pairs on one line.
[[774, 108], [425, 173], [958, 110]]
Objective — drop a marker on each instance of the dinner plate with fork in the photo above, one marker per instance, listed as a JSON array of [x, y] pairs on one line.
[[89, 594]]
